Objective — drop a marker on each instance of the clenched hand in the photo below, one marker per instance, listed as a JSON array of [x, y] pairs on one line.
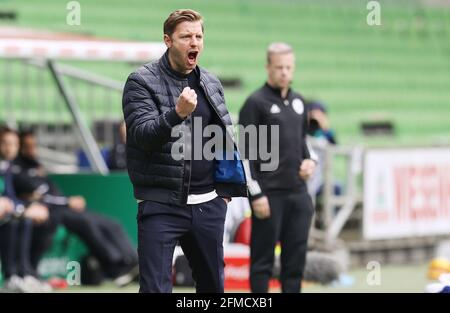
[[186, 102]]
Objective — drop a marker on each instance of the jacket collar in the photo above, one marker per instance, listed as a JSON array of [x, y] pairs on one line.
[[277, 91], [165, 65]]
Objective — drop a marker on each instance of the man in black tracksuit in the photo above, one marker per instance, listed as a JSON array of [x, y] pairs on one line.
[[281, 207], [180, 200]]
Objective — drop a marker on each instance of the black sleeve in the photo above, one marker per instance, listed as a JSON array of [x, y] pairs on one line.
[[146, 127], [55, 199], [250, 115]]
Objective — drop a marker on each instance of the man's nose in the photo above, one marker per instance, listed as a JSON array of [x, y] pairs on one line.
[[194, 41]]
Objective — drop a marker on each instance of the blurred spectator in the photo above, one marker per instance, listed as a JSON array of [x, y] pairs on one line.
[[321, 136], [319, 125], [117, 156], [16, 225], [104, 237]]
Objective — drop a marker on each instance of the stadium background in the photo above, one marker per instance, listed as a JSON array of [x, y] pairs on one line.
[[396, 72]]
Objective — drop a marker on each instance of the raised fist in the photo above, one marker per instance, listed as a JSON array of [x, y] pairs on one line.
[[186, 102]]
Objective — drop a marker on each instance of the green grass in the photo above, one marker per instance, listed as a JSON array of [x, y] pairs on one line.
[[399, 71], [394, 278]]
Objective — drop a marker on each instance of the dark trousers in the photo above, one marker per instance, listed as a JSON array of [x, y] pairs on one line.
[[15, 246], [43, 237], [105, 238], [289, 224], [197, 228]]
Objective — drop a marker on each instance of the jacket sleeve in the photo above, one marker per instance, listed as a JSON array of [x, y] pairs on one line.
[[250, 115], [55, 199], [146, 126]]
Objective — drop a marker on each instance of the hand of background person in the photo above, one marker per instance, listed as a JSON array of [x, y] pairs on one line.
[[6, 206], [36, 212], [306, 169], [77, 203], [261, 207]]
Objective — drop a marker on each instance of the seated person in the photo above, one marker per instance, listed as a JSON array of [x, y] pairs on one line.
[[104, 237], [16, 225]]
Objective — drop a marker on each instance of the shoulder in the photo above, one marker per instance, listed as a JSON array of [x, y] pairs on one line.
[[212, 82], [297, 95], [145, 73], [258, 96], [209, 77], [146, 77]]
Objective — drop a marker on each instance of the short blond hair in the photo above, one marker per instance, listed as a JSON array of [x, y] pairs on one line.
[[179, 16], [278, 48]]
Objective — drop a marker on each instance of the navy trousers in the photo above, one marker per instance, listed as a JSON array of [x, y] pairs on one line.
[[15, 246], [197, 228]]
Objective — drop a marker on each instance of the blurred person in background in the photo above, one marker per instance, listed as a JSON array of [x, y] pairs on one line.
[[281, 206], [117, 160], [321, 136], [105, 238], [319, 123], [16, 225]]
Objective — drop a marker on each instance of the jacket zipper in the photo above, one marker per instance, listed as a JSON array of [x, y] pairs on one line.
[[186, 165]]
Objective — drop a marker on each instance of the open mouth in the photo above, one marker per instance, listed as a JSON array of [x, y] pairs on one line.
[[192, 56]]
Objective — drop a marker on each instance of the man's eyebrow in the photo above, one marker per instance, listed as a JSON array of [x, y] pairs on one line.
[[189, 33]]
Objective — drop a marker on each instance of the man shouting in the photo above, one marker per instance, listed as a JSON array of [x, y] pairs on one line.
[[180, 199]]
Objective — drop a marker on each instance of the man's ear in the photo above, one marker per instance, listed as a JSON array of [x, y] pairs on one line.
[[167, 41]]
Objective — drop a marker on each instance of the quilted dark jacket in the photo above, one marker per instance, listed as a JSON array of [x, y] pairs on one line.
[[148, 103]]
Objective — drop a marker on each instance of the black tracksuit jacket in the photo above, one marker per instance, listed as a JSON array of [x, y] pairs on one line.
[[267, 107]]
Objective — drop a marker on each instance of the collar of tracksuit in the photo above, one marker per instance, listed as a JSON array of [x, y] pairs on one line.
[[277, 91]]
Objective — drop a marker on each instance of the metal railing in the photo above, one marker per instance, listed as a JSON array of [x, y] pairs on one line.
[[336, 209], [71, 110]]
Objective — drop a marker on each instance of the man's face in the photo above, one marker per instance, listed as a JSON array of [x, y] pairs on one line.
[[9, 146], [29, 147], [280, 70], [185, 46]]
